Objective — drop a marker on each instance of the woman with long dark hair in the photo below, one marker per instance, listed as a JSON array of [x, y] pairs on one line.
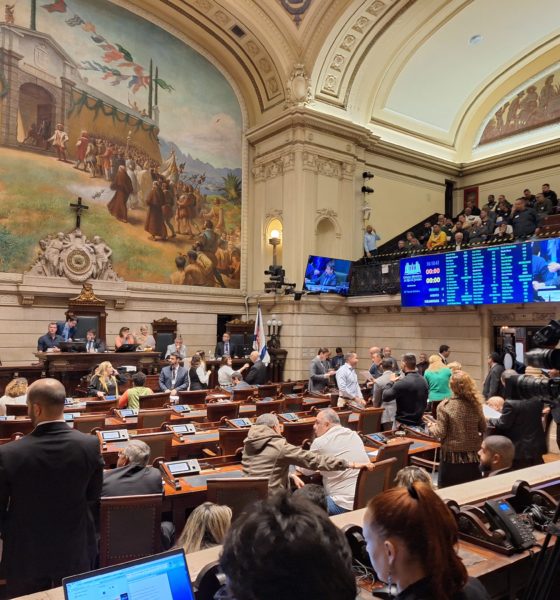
[[460, 426], [411, 537]]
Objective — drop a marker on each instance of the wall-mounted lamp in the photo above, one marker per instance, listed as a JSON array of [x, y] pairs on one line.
[[274, 326], [274, 240], [368, 175]]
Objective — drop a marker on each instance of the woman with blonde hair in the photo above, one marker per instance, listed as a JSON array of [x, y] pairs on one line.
[[437, 375], [460, 426], [15, 393], [105, 381], [144, 339], [206, 526], [455, 366]]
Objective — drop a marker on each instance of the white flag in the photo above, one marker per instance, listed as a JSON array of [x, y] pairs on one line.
[[259, 338]]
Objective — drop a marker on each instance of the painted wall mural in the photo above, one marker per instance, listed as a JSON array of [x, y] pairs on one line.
[[535, 106], [101, 104]]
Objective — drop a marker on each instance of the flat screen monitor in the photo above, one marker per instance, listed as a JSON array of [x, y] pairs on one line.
[[327, 275], [162, 576], [506, 274]]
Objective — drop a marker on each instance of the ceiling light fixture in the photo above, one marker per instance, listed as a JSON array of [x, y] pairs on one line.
[[475, 39]]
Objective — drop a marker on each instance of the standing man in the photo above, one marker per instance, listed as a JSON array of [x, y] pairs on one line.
[[331, 439], [49, 342], [410, 392], [67, 329], [524, 219], [347, 382], [93, 344], [338, 359], [376, 358], [59, 139], [257, 373], [225, 347], [390, 408], [388, 355], [370, 242], [493, 383], [174, 378], [318, 373], [444, 352], [49, 481]]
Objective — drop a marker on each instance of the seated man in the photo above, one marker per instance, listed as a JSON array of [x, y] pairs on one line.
[[174, 378], [333, 439], [496, 455], [131, 397], [49, 342], [287, 548], [437, 239], [177, 347], [93, 344], [266, 453], [67, 329], [225, 347], [133, 477], [237, 382]]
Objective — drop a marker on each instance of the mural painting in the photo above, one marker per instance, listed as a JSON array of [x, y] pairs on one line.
[[100, 104], [535, 106]]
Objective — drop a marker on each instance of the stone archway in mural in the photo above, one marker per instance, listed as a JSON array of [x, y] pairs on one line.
[[36, 113]]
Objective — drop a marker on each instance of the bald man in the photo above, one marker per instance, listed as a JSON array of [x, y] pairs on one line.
[[257, 373], [50, 481]]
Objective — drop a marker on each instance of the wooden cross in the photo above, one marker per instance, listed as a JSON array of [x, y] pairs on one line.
[[79, 208]]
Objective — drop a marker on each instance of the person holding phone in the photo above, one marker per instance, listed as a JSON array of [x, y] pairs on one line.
[[105, 381]]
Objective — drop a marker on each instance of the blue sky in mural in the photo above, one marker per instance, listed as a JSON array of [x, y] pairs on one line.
[[200, 114]]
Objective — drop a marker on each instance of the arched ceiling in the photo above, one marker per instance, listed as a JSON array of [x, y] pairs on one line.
[[403, 68]]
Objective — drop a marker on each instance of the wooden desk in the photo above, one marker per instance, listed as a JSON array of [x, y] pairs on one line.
[[70, 367]]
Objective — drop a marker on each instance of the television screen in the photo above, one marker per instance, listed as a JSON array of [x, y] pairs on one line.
[[507, 274], [324, 274]]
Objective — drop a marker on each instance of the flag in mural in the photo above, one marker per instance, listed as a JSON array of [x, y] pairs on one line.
[[259, 338]]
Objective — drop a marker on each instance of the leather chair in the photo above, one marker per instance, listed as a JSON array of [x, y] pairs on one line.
[[293, 403], [99, 406], [369, 419], [230, 439], [194, 397], [270, 390], [158, 400], [159, 442], [215, 411], [287, 387], [371, 483], [243, 393], [209, 581], [130, 528], [296, 433], [398, 450], [269, 406], [9, 428], [87, 423], [238, 493], [16, 410], [344, 416], [150, 419]]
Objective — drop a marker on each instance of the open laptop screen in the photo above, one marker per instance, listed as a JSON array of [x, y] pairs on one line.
[[160, 577]]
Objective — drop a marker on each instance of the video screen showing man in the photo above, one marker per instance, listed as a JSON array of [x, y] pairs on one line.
[[325, 274], [546, 270]]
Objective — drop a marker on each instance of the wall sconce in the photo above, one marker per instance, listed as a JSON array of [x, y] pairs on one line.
[[365, 209], [274, 326], [274, 240]]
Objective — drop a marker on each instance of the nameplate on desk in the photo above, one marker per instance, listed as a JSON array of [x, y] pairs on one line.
[[125, 413], [7, 418], [178, 468], [71, 416], [114, 435], [182, 408]]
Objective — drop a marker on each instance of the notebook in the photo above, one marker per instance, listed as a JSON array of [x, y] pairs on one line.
[[159, 577]]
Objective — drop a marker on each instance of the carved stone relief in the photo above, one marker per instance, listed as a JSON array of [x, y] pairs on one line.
[[298, 87]]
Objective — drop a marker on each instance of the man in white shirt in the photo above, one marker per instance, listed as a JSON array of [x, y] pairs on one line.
[[347, 383], [334, 440]]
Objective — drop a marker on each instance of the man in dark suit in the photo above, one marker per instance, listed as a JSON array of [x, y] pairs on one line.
[[493, 382], [49, 481], [133, 477], [410, 392], [496, 455], [174, 378], [257, 372], [225, 347], [67, 329], [318, 373], [93, 344], [521, 422]]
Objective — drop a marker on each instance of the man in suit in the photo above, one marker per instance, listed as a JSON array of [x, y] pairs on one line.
[[177, 347], [93, 344], [410, 392], [318, 373], [444, 352], [225, 347], [133, 477], [49, 482], [257, 372], [67, 329], [237, 382], [493, 383], [496, 455], [521, 422], [174, 378]]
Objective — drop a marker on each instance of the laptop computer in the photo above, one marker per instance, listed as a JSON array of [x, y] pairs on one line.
[[127, 348], [159, 577], [74, 346]]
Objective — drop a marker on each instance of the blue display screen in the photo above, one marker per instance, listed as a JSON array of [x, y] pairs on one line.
[[324, 274], [508, 274]]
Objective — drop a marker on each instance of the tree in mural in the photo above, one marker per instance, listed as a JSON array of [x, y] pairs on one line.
[[231, 188]]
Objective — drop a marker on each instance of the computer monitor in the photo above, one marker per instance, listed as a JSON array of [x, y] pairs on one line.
[[127, 348], [159, 577]]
